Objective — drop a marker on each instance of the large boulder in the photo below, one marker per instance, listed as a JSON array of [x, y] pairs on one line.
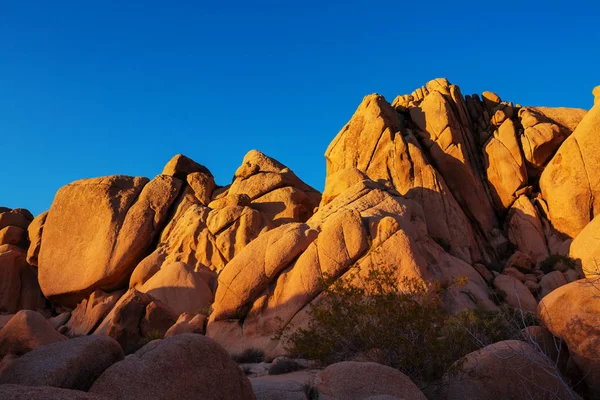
[[353, 380], [182, 367], [572, 313], [26, 331], [510, 369], [22, 392], [70, 364], [585, 249], [13, 235], [96, 232], [568, 184], [136, 319], [517, 294]]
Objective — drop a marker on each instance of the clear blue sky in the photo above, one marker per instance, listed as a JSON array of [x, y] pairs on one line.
[[92, 88]]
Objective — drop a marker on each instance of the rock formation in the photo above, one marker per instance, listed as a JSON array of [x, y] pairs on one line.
[[440, 186]]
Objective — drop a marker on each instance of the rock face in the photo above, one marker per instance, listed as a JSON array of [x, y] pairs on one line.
[[135, 319], [69, 364], [374, 143], [585, 249], [511, 369], [97, 230], [145, 374], [19, 287], [35, 238], [26, 331], [544, 129], [91, 311], [525, 230], [572, 313], [360, 380], [568, 183], [272, 280]]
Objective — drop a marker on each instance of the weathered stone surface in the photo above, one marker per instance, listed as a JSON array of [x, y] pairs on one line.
[[180, 166], [70, 364], [517, 294], [585, 249], [180, 287], [35, 238], [203, 185], [27, 331], [366, 222], [572, 313], [510, 369], [339, 181], [551, 281], [188, 323], [375, 143], [249, 274], [544, 129], [505, 166], [14, 218], [91, 311], [520, 261], [286, 204], [569, 185], [525, 230], [19, 287], [439, 118], [181, 367], [97, 230], [360, 380], [260, 174], [22, 392], [125, 321], [13, 235]]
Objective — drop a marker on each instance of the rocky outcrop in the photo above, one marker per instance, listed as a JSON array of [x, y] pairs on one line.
[[197, 367], [375, 143], [572, 313], [104, 227], [361, 380], [35, 230], [69, 364], [276, 277], [188, 323], [569, 184]]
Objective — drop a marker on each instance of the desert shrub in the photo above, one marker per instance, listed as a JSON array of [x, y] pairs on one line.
[[404, 321], [554, 261], [284, 366], [153, 335], [249, 356]]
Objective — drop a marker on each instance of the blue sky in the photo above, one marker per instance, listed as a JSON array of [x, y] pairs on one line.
[[118, 87]]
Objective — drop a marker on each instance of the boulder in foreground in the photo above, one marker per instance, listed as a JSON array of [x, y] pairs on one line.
[[187, 366]]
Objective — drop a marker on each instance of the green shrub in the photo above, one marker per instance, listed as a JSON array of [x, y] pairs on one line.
[[409, 328], [249, 356], [557, 262], [153, 335], [284, 366]]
